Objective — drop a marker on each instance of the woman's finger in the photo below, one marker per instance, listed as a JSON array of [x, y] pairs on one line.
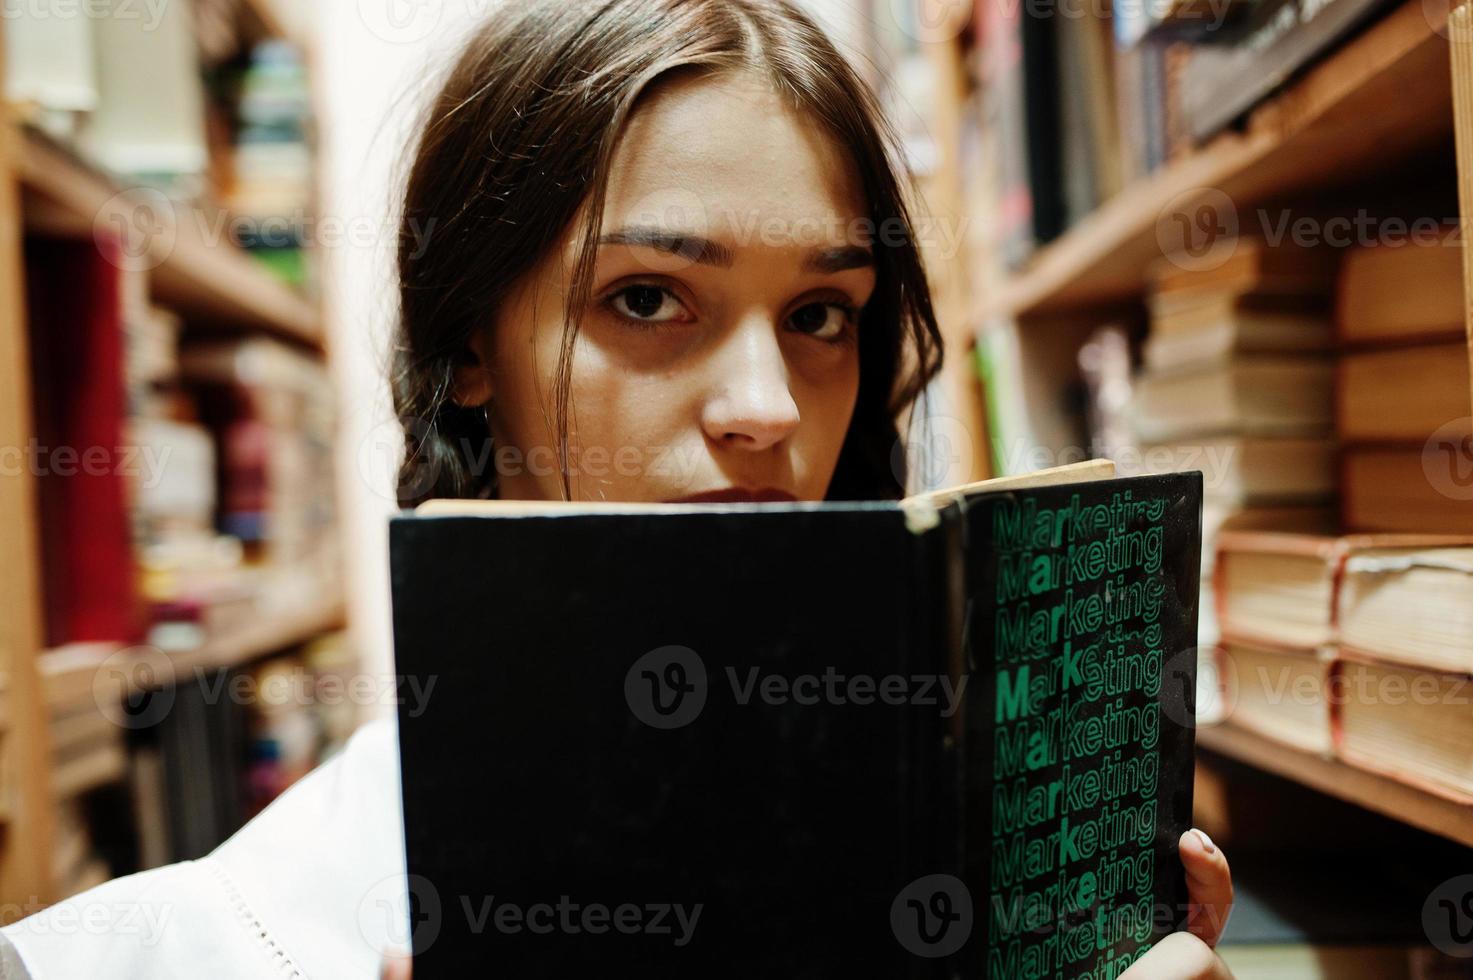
[[1209, 886], [397, 966], [1180, 956]]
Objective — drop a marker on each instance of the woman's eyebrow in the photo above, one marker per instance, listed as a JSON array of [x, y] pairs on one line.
[[694, 248], [839, 259]]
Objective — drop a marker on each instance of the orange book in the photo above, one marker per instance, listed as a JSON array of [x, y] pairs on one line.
[[1416, 488], [1400, 292], [1402, 393], [1409, 724]]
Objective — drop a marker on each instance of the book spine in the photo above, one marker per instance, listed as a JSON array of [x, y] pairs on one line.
[[978, 729], [935, 794], [1338, 561]]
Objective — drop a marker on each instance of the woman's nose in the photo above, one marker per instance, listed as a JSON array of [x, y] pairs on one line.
[[751, 405]]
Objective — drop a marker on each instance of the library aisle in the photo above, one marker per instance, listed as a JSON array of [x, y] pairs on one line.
[[1182, 235]]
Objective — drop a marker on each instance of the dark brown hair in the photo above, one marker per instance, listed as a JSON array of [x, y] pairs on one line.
[[520, 138]]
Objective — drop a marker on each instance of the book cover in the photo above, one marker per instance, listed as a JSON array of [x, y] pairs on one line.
[[947, 736], [82, 459]]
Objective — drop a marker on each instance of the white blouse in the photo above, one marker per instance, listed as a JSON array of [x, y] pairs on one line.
[[313, 887]]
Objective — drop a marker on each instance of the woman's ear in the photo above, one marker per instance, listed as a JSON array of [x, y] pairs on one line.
[[473, 385]]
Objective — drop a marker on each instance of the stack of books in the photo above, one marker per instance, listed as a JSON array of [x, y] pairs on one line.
[[1402, 681], [270, 190], [1357, 645], [269, 407], [1236, 383], [1274, 595], [88, 752], [1402, 395], [149, 122]]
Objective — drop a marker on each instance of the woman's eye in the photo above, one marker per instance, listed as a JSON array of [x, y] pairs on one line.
[[824, 321], [650, 304]]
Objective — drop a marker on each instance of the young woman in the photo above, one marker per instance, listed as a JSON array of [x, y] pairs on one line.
[[659, 252]]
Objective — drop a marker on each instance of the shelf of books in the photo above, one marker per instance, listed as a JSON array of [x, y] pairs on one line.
[[1345, 114], [1372, 791], [173, 605], [1230, 241], [197, 269]]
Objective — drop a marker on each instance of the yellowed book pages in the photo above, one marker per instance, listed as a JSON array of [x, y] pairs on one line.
[[1412, 725], [1096, 469], [1280, 694]]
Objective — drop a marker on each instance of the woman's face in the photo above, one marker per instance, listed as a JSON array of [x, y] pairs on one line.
[[719, 356]]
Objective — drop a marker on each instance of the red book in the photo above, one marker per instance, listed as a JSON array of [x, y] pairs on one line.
[[74, 294]]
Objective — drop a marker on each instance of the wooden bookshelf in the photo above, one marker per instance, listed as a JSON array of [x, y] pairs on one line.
[[67, 673], [25, 752], [198, 271], [194, 269], [279, 631], [1369, 790], [1385, 94]]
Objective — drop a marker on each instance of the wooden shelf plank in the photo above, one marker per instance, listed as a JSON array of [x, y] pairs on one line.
[[68, 673], [280, 630], [197, 270], [1369, 790], [1386, 93]]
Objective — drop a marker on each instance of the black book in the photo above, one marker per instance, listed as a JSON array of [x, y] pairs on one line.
[[1022, 66], [1247, 61], [942, 737]]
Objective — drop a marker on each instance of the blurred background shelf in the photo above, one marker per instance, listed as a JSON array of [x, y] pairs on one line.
[[276, 632], [196, 269], [69, 673], [161, 317], [1364, 789], [1347, 114]]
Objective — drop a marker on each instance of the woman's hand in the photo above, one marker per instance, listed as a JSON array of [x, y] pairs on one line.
[[1180, 956], [1188, 955], [397, 966], [1209, 886]]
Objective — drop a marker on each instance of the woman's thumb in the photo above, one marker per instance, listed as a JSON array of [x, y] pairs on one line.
[[397, 966]]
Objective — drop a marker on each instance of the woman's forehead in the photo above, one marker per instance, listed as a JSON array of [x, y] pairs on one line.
[[724, 155]]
